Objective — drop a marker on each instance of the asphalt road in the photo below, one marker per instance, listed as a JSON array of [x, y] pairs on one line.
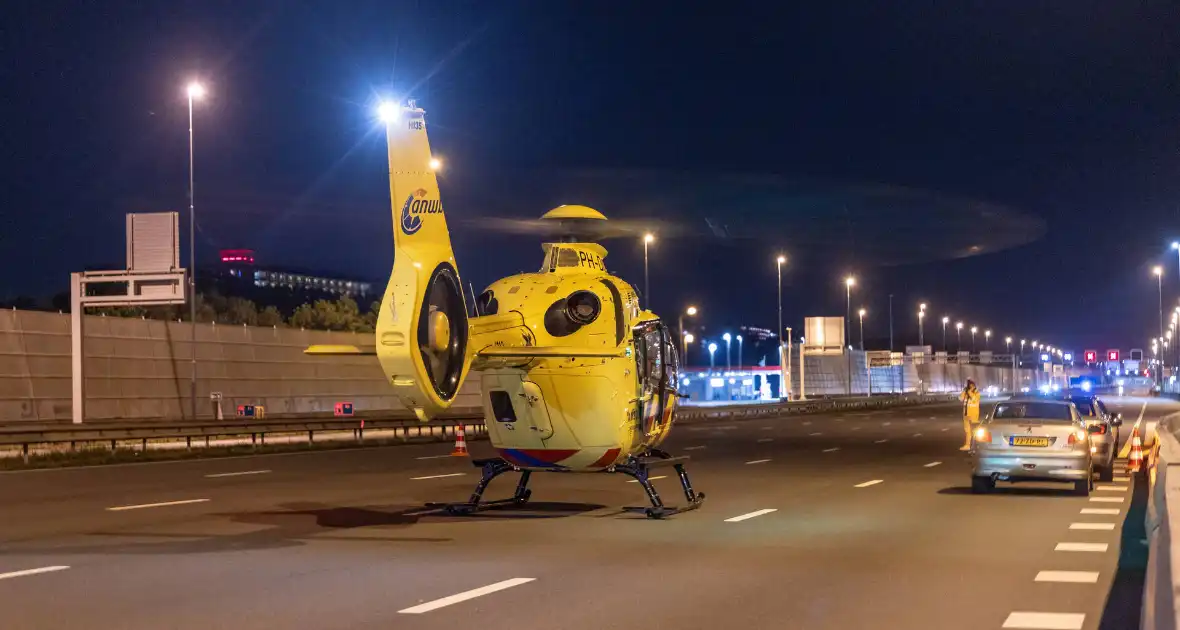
[[836, 521]]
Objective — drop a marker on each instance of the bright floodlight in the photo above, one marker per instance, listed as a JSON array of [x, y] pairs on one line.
[[922, 306], [1175, 245], [435, 164], [921, 314], [959, 325], [688, 338], [946, 320], [387, 111], [862, 312], [1007, 340], [974, 329], [712, 347], [782, 259], [726, 337], [739, 337], [647, 238], [1158, 270], [849, 281], [987, 333], [195, 90], [692, 310]]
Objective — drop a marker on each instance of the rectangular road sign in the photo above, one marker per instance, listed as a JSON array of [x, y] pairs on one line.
[[344, 409]]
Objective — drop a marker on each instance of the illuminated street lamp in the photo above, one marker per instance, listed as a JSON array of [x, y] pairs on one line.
[[685, 338], [195, 92], [779, 262], [849, 282], [974, 329], [712, 350], [1159, 276], [959, 336], [647, 240], [387, 112], [739, 340], [944, 323], [987, 339], [861, 313], [1021, 347], [727, 338], [1176, 246], [921, 319], [435, 164]]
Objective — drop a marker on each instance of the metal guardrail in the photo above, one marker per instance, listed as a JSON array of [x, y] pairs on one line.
[[1161, 584], [403, 426]]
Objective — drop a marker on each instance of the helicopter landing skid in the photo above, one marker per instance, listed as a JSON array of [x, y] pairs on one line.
[[637, 467], [640, 468]]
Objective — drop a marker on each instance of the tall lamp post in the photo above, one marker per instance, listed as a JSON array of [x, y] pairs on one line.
[[945, 320], [890, 323], [728, 339], [739, 340], [973, 331], [959, 336], [861, 313], [647, 239], [784, 361], [195, 92], [921, 321], [987, 340], [684, 341], [848, 282], [688, 339], [1159, 276], [712, 350]]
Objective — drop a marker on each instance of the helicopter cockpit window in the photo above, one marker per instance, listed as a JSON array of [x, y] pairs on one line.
[[567, 258]]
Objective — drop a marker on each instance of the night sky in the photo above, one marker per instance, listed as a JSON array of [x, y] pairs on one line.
[[1068, 112]]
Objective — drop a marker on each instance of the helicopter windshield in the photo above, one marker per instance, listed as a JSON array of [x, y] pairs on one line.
[[658, 372]]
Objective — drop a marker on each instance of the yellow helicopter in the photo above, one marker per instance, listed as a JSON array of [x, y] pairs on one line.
[[575, 375]]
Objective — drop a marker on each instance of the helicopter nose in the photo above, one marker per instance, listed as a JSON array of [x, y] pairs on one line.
[[439, 329]]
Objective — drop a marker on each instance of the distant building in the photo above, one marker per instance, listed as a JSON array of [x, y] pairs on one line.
[[238, 274]]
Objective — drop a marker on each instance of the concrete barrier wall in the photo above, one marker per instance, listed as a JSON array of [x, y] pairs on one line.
[[140, 369], [827, 375]]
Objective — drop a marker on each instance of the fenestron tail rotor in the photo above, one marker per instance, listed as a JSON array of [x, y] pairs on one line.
[[442, 331]]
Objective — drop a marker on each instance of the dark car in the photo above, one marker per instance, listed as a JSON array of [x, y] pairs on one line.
[[1103, 427]]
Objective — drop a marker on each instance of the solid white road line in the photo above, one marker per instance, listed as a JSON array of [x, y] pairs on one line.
[[16, 574], [945, 429], [931, 464], [1072, 577], [1107, 499], [1090, 547], [437, 476], [765, 440], [1103, 511], [869, 483], [758, 461], [1112, 488], [750, 515], [435, 456], [464, 596], [693, 448], [881, 441], [238, 474], [123, 508], [831, 450], [1045, 621], [1104, 527], [649, 479]]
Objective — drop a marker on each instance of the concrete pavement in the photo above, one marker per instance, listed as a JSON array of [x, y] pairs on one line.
[[846, 520]]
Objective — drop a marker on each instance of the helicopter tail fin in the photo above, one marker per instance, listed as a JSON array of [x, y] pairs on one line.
[[422, 328]]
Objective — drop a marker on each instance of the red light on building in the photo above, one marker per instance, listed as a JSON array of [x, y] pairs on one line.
[[237, 255]]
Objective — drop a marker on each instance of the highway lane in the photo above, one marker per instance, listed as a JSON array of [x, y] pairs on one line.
[[335, 539]]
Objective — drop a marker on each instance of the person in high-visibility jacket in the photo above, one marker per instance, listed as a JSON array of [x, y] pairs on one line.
[[970, 399]]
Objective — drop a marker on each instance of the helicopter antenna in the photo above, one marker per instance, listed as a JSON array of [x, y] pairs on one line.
[[474, 301]]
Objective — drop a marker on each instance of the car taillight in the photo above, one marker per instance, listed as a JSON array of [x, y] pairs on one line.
[[1076, 437], [983, 436]]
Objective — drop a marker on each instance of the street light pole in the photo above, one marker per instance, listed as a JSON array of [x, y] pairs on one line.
[[944, 323], [973, 329], [690, 311], [987, 340], [728, 339], [959, 336], [739, 339], [784, 361], [1159, 276], [647, 239], [195, 91], [847, 350], [861, 313], [890, 325]]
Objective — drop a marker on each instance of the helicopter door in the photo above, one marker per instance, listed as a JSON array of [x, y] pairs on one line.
[[518, 411], [658, 373]]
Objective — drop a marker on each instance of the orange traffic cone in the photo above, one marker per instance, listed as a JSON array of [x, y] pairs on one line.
[[1135, 461], [460, 444]]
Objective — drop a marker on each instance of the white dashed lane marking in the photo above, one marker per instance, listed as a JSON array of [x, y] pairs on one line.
[[758, 461], [931, 464], [881, 441], [750, 515], [464, 596], [1104, 527], [123, 508], [1102, 511], [437, 476], [1107, 499], [1084, 547], [27, 572], [1045, 621], [869, 483], [1112, 488], [238, 474], [831, 450], [1072, 577]]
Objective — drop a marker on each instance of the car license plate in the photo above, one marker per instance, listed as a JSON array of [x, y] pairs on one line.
[[1020, 440]]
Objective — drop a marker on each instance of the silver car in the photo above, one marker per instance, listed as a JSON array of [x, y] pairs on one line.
[[1032, 439], [1104, 431]]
